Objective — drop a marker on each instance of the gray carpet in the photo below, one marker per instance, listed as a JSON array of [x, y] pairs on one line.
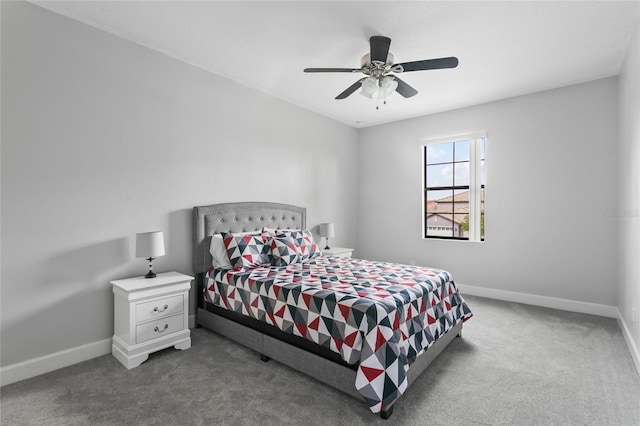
[[514, 365]]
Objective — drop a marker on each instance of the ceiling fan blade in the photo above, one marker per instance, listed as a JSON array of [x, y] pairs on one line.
[[430, 64], [379, 48], [331, 70], [404, 89], [355, 86]]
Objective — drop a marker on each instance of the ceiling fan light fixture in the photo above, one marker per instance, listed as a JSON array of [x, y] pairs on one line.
[[370, 88], [388, 85], [378, 88]]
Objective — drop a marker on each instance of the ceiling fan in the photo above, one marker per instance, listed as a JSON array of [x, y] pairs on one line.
[[378, 66]]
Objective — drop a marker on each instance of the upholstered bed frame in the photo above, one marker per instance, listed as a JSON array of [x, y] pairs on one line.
[[253, 216]]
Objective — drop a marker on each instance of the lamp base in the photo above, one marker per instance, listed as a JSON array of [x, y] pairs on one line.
[[327, 247], [150, 274]]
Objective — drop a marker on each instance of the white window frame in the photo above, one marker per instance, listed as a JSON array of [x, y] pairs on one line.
[[475, 184]]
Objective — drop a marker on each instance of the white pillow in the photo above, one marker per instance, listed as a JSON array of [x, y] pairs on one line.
[[273, 231], [219, 253]]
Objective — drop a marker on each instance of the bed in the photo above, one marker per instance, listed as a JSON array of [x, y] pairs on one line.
[[366, 328]]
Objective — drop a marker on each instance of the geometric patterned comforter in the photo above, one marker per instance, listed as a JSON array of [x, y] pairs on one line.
[[380, 315]]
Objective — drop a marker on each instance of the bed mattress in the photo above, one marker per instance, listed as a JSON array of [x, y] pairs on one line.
[[376, 314]]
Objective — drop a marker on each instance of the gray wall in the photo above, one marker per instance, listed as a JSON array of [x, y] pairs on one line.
[[103, 138], [551, 174], [628, 214]]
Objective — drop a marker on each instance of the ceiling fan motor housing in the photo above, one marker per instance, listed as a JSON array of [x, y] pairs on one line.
[[376, 68], [366, 59]]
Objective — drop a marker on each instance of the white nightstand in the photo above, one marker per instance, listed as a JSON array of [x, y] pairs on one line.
[[337, 252], [150, 314]]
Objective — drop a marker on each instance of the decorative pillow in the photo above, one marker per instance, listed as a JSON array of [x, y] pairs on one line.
[[307, 247], [246, 251], [273, 231], [284, 251], [219, 253]]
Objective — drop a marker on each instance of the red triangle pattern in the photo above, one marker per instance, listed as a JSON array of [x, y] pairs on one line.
[[351, 339], [371, 373], [302, 329], [344, 310], [396, 321], [338, 343], [307, 299], [280, 313], [314, 324], [380, 339]]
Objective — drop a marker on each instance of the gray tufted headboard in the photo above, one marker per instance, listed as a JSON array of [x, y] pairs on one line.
[[239, 217]]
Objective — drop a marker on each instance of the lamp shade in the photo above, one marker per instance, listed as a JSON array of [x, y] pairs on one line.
[[326, 230], [150, 244]]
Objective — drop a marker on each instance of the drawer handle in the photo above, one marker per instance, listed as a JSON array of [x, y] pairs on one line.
[[156, 310], [160, 331]]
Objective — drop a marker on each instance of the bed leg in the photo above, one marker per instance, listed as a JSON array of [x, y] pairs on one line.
[[385, 414], [264, 358]]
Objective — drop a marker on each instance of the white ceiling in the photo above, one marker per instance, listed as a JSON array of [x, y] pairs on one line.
[[505, 48]]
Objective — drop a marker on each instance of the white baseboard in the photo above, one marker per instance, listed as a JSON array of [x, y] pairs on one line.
[[544, 301], [628, 337], [45, 364]]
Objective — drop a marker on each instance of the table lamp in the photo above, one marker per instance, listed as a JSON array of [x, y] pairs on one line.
[[150, 245], [326, 231]]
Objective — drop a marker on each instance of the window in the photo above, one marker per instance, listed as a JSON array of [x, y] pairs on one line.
[[454, 188]]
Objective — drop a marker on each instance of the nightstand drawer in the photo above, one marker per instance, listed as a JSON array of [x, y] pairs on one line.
[[159, 328], [159, 308]]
